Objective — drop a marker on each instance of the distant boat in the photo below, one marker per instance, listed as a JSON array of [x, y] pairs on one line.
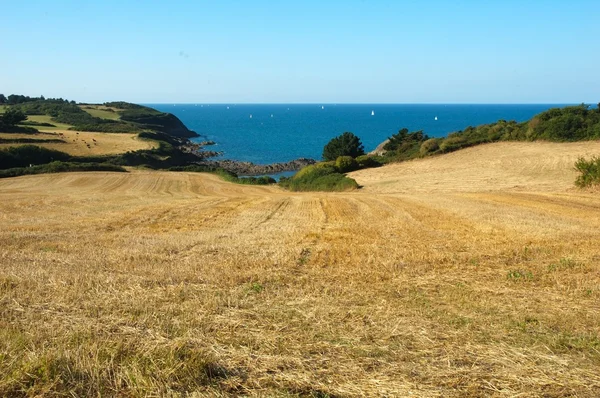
[[271, 115], [435, 118], [250, 116], [322, 107], [227, 107], [372, 113]]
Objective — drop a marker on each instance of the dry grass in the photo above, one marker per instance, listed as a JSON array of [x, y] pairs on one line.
[[85, 143], [157, 283]]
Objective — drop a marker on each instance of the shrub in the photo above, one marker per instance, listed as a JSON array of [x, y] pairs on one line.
[[318, 177], [452, 143], [25, 155], [589, 172], [346, 164], [346, 144], [13, 116], [367, 161], [403, 139], [59, 167], [317, 169], [431, 145]]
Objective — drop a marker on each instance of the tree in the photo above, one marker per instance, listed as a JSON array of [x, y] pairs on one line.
[[13, 116], [346, 144], [3, 99]]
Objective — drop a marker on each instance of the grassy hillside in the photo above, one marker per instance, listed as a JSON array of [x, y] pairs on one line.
[[138, 135], [115, 117], [568, 124], [166, 284]]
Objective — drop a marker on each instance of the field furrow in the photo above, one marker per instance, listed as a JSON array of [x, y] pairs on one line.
[[423, 283]]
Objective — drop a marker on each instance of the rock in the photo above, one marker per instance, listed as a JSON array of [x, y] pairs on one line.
[[379, 150]]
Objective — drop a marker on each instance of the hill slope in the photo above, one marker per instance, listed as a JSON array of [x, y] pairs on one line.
[[157, 283], [540, 166]]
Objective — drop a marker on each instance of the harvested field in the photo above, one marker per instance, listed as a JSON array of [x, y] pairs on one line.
[[81, 143], [470, 274]]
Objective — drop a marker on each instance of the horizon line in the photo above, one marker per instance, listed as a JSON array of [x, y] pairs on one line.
[[366, 103]]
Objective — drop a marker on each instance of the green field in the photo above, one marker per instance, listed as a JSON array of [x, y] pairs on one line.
[[47, 119], [101, 112], [2, 108]]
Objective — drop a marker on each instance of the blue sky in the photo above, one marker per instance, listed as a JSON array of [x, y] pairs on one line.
[[323, 51]]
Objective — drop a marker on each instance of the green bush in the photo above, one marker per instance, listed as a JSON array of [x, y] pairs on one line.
[[346, 164], [589, 172], [59, 167], [431, 145], [318, 177], [13, 116], [346, 144], [316, 170], [368, 161], [25, 155], [453, 143], [404, 139]]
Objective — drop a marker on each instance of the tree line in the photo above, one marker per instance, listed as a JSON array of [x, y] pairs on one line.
[[15, 99]]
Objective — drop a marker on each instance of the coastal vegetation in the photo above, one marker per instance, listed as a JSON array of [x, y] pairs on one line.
[[589, 172], [161, 137], [113, 117], [325, 176], [59, 167], [346, 144], [568, 124]]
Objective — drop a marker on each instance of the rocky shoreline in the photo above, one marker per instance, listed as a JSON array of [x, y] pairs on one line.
[[252, 169], [205, 158]]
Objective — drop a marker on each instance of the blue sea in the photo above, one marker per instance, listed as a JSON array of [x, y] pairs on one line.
[[268, 133]]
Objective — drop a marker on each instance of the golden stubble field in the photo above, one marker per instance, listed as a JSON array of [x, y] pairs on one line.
[[471, 274], [83, 143]]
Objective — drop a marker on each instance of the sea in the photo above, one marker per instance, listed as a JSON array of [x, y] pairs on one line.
[[269, 133]]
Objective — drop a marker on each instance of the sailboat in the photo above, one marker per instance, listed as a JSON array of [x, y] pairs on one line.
[[435, 118], [322, 107], [250, 116], [372, 113]]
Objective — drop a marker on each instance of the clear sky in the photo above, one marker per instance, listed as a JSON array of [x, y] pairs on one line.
[[379, 51]]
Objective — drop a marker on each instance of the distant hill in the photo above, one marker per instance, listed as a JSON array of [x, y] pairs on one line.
[[118, 117], [152, 119]]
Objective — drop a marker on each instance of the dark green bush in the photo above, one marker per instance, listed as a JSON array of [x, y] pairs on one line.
[[368, 161], [13, 116], [346, 144], [25, 155], [59, 167]]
